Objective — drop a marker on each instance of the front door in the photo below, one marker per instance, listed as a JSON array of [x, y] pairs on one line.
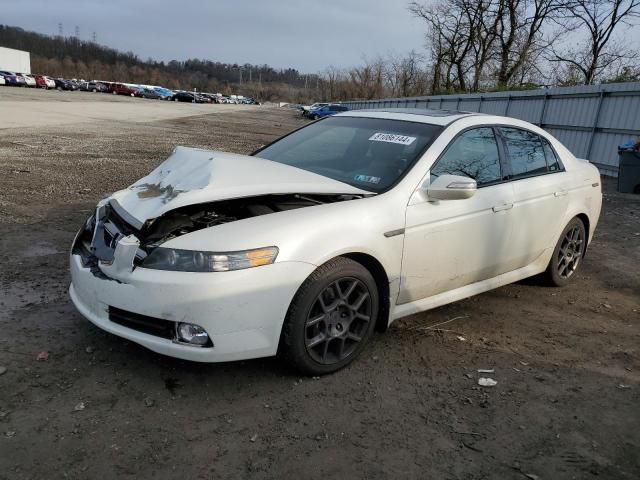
[[452, 243]]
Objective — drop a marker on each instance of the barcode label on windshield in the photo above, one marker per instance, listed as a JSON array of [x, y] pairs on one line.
[[392, 138]]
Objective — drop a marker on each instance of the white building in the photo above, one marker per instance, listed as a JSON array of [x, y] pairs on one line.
[[15, 60]]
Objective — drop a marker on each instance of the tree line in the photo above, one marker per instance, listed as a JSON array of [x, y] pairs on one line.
[[488, 45], [470, 46], [70, 57]]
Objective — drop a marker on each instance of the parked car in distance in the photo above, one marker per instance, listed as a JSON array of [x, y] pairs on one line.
[[306, 108], [144, 92], [29, 80], [325, 111], [339, 228], [2, 80], [182, 96], [64, 84], [12, 79], [93, 86], [165, 93], [45, 82], [122, 89]]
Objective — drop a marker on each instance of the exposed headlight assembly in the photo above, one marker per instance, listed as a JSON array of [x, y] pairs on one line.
[[176, 260]]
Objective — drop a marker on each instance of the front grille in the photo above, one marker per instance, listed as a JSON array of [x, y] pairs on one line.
[[107, 233], [149, 325]]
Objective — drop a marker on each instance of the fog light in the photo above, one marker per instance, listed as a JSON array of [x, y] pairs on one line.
[[194, 334]]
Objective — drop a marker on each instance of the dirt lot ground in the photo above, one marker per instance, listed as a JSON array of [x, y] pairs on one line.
[[567, 361]]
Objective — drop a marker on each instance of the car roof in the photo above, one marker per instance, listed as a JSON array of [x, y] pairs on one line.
[[434, 117]]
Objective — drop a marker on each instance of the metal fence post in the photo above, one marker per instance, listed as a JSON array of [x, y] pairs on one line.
[[544, 109], [595, 123], [480, 104], [506, 110]]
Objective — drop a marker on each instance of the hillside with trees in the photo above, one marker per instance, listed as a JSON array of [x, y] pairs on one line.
[[470, 46], [70, 57]]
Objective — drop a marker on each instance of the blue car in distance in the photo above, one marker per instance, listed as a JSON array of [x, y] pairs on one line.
[[165, 93], [326, 111]]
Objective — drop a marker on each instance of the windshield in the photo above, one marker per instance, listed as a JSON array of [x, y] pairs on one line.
[[369, 153]]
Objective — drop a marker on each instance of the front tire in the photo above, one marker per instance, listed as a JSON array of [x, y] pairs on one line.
[[568, 254], [331, 318]]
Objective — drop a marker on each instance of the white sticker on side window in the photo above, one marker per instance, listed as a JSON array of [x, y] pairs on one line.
[[392, 138]]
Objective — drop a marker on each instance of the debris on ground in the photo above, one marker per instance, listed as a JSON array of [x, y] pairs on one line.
[[90, 349], [3, 370], [254, 437], [486, 370], [42, 357], [79, 406], [487, 382]]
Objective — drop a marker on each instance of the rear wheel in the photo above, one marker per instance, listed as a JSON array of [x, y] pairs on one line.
[[331, 318], [568, 254]]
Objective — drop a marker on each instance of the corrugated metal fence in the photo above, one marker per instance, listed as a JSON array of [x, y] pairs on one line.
[[589, 120]]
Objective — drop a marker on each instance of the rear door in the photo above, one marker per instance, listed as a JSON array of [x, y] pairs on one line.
[[540, 193]]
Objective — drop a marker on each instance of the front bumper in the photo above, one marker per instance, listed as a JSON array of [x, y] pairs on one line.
[[242, 311]]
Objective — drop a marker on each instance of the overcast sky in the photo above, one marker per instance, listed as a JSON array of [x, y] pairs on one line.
[[305, 34]]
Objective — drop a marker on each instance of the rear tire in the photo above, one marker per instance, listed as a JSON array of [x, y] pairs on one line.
[[331, 318], [567, 255]]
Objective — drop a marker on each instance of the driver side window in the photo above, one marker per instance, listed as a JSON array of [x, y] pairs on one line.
[[473, 154]]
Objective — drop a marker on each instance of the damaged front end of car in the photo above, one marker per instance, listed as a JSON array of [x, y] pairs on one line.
[[113, 243]]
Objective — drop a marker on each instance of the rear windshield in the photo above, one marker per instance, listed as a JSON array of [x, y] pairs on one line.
[[369, 153]]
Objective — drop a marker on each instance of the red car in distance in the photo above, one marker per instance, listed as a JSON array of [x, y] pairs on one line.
[[121, 89], [42, 81]]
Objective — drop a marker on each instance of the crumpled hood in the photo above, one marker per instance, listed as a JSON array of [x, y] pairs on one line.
[[191, 176]]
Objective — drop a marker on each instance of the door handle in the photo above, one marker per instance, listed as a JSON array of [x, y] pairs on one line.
[[561, 193], [500, 208]]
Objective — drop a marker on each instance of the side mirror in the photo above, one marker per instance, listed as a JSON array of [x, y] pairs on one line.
[[451, 187]]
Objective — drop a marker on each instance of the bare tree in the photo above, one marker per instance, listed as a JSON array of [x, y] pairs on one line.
[[601, 51], [520, 24], [452, 35], [469, 38]]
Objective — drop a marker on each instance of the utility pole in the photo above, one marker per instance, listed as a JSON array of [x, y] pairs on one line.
[[240, 71], [60, 29], [94, 37], [77, 31], [249, 74]]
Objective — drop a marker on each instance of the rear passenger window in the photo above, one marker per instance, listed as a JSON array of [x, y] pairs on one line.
[[525, 152], [553, 164], [472, 154]]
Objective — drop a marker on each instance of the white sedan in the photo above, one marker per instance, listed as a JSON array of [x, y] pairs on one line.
[[313, 242]]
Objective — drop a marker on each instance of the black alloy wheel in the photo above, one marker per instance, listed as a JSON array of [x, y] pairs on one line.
[[331, 318], [568, 254]]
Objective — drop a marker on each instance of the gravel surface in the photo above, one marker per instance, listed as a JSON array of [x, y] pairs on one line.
[[76, 402]]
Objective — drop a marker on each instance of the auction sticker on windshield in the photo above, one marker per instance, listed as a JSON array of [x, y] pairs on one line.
[[392, 138]]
